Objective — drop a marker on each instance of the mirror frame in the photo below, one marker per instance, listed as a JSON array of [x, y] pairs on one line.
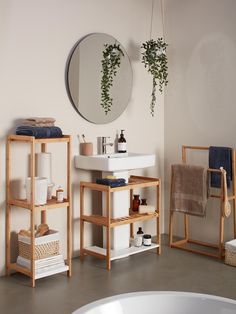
[[67, 77]]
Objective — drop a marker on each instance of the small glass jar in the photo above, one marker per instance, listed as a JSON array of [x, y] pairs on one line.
[[147, 239], [136, 202], [143, 201]]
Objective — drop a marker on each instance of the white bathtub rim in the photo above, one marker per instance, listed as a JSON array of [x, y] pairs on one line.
[[93, 304]]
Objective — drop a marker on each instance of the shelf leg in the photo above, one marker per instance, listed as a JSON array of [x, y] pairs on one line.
[[234, 191], [108, 258], [43, 212], [221, 231], [131, 207], [8, 209], [108, 230], [32, 208], [8, 241], [81, 223], [69, 209], [186, 227], [158, 222]]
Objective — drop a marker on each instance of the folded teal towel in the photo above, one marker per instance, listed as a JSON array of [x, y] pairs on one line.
[[220, 157], [113, 183]]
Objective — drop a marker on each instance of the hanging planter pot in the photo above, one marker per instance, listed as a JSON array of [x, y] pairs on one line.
[[155, 60], [110, 63]]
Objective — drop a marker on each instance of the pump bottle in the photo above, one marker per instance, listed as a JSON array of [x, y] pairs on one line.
[[122, 148]]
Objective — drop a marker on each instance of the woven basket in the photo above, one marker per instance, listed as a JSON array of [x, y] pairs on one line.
[[45, 246], [230, 253]]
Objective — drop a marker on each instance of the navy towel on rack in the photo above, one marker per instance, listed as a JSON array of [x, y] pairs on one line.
[[220, 157], [40, 132], [113, 183]]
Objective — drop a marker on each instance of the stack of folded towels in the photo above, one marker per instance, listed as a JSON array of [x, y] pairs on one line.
[[39, 128]]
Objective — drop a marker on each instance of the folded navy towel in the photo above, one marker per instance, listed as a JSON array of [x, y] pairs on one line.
[[39, 132], [113, 183], [220, 157]]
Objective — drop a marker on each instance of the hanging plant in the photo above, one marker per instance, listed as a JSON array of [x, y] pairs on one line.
[[155, 60], [111, 61]]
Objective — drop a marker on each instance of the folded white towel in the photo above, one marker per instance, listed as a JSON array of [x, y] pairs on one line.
[[146, 209]]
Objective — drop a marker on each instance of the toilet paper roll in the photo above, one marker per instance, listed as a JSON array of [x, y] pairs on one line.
[[44, 166]]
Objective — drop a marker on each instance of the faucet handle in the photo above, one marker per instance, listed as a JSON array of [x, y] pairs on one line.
[[104, 138]]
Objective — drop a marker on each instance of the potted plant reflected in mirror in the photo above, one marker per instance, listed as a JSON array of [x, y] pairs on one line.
[[110, 63], [155, 60]]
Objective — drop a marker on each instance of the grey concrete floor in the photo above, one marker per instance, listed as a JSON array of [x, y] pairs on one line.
[[174, 270]]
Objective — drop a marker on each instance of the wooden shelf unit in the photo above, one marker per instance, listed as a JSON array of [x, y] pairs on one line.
[[51, 204], [109, 223]]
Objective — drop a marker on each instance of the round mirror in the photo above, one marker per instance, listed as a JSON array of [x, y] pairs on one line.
[[84, 75]]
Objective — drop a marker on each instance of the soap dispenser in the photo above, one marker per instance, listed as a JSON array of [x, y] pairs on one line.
[[122, 143]]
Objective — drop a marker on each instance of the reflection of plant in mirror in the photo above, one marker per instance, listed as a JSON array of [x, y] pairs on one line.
[[111, 61], [155, 60]]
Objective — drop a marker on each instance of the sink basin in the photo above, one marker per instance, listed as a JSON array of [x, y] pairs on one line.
[[114, 162]]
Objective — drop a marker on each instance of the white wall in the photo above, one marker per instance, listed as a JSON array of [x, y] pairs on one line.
[[36, 38], [200, 99]]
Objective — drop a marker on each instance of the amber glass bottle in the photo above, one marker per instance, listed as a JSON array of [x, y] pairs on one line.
[[122, 143]]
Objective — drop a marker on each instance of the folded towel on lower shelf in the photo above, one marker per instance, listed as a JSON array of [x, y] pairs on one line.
[[113, 183], [189, 189], [40, 132]]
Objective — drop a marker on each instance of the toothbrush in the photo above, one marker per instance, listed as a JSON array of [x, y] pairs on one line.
[[83, 136]]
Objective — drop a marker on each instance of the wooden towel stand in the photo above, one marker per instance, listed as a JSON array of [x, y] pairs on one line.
[[181, 244]]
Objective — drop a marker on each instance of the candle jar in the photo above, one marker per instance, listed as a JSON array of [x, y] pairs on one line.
[[147, 240], [136, 202]]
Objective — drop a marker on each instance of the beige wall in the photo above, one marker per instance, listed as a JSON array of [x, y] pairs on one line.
[[200, 99], [36, 38]]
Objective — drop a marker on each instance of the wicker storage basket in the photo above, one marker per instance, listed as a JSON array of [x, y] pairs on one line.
[[230, 253], [45, 246]]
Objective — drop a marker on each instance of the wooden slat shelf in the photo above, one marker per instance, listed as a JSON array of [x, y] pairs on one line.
[[132, 218], [50, 204], [108, 222], [134, 182], [103, 221]]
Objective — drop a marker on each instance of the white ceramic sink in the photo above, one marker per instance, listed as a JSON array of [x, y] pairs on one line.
[[114, 162]]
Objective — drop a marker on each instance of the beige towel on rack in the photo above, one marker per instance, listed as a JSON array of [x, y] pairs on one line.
[[189, 190]]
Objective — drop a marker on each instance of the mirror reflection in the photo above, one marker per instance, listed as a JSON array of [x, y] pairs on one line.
[[84, 77]]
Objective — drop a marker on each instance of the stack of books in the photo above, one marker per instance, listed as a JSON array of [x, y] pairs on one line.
[[46, 266]]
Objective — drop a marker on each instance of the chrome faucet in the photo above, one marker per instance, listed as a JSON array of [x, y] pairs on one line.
[[103, 145]]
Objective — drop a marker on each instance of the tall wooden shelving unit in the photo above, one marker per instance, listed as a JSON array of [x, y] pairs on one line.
[[52, 204], [108, 222]]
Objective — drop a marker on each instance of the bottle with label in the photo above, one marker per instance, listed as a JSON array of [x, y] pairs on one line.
[[140, 236], [122, 143], [60, 194]]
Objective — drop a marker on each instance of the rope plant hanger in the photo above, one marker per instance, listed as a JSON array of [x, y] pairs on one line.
[[155, 60]]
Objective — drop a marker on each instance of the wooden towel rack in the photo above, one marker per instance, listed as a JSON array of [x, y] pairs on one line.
[[182, 244]]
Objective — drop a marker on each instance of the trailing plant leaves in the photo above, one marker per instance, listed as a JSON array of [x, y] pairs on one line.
[[155, 61], [111, 61]]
